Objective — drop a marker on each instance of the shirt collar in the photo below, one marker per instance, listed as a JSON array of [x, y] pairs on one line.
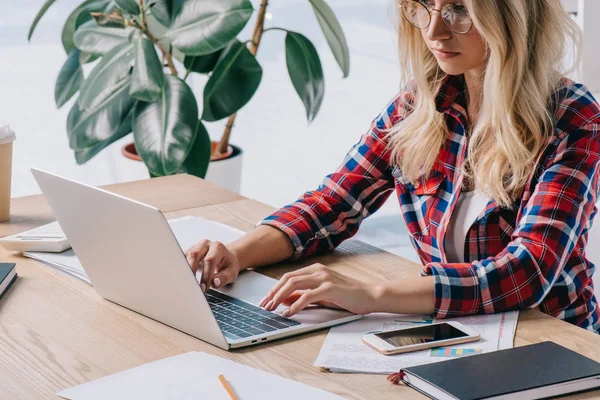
[[452, 93]]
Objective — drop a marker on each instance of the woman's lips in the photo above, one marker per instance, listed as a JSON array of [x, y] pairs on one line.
[[444, 55]]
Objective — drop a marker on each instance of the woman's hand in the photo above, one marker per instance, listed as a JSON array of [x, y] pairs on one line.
[[321, 285], [217, 264]]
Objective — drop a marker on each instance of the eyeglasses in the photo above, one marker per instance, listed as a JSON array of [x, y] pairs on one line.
[[455, 16]]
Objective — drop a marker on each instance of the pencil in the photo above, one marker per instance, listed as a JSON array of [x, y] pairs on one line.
[[228, 388]]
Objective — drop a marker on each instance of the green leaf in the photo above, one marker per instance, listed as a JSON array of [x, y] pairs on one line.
[[306, 73], [78, 17], [129, 6], [94, 126], [148, 77], [39, 16], [84, 155], [165, 11], [232, 84], [108, 74], [99, 40], [333, 33], [110, 7], [165, 130], [202, 64], [86, 58], [203, 27], [197, 161], [69, 79]]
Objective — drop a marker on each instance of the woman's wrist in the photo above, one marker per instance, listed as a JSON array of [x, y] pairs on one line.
[[376, 294], [406, 296]]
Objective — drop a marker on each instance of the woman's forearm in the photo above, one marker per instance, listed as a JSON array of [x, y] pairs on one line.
[[406, 296], [263, 245]]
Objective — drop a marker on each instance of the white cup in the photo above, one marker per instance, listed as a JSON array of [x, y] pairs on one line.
[[7, 137]]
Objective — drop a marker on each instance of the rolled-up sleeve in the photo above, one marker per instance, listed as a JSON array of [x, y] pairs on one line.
[[321, 219], [555, 217]]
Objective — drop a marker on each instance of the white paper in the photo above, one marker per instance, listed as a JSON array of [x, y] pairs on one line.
[[193, 376], [344, 351], [65, 262], [187, 231]]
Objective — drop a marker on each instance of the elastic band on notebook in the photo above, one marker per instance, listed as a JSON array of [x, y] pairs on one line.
[[396, 378]]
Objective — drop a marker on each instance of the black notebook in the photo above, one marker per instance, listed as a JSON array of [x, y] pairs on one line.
[[8, 274], [530, 372]]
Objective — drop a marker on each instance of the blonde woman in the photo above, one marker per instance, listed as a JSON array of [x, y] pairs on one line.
[[494, 157]]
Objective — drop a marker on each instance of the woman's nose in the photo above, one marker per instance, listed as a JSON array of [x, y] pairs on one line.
[[437, 29]]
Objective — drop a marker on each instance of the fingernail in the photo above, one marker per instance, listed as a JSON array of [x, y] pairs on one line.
[[262, 302], [203, 287], [269, 305], [286, 313], [217, 282]]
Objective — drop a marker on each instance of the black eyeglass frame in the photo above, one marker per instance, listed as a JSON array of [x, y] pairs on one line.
[[403, 2]]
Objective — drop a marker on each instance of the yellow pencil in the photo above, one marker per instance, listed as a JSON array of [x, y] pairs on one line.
[[228, 388]]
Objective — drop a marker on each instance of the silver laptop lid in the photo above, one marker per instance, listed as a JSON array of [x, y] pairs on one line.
[[130, 255]]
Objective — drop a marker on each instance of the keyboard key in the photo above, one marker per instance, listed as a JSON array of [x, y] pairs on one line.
[[264, 327], [230, 336], [285, 321], [274, 324], [255, 331], [244, 334]]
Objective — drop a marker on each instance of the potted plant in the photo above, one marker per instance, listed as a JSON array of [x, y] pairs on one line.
[[144, 52]]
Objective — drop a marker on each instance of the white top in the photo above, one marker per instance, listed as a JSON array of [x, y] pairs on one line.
[[6, 134], [468, 208]]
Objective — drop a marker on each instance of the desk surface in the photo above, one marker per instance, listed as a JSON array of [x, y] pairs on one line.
[[56, 331]]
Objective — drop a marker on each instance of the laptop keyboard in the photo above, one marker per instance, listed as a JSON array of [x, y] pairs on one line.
[[239, 320]]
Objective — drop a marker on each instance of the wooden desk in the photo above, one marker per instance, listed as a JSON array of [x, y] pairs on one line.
[[56, 332], [165, 193]]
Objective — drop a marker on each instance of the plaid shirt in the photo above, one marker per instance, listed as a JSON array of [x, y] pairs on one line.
[[529, 256]]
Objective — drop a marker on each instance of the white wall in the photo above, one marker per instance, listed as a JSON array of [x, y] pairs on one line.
[[589, 20]]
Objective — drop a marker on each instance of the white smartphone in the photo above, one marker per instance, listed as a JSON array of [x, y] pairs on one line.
[[420, 337]]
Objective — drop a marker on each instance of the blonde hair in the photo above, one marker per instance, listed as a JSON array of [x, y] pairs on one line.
[[526, 42]]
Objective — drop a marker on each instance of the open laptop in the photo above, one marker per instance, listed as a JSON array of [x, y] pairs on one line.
[[132, 258]]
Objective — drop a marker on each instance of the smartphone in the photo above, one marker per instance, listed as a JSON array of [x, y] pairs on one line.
[[420, 337]]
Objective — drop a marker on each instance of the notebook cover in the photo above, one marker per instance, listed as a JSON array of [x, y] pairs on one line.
[[507, 371], [5, 269]]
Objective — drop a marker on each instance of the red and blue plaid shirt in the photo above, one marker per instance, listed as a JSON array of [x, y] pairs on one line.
[[529, 256]]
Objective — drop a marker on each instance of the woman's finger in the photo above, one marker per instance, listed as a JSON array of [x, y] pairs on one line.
[[212, 263], [307, 298], [226, 275], [196, 254], [292, 298], [305, 282], [287, 276]]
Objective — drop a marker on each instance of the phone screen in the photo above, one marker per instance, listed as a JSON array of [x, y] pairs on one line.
[[421, 334]]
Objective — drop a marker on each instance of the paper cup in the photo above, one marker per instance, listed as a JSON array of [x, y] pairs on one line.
[[6, 146]]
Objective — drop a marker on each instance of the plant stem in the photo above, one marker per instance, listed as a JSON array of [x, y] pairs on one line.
[[142, 13], [166, 55], [256, 37], [164, 52]]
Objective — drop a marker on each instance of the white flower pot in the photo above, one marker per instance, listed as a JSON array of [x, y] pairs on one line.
[[227, 172]]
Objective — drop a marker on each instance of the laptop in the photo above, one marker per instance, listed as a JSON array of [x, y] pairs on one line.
[[133, 259]]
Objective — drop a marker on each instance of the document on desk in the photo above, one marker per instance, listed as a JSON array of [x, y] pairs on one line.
[[193, 376], [187, 231], [344, 351]]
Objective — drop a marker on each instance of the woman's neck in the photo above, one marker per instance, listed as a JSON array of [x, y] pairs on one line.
[[474, 82]]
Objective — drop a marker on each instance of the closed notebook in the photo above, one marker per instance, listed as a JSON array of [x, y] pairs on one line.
[[8, 274], [529, 372]]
